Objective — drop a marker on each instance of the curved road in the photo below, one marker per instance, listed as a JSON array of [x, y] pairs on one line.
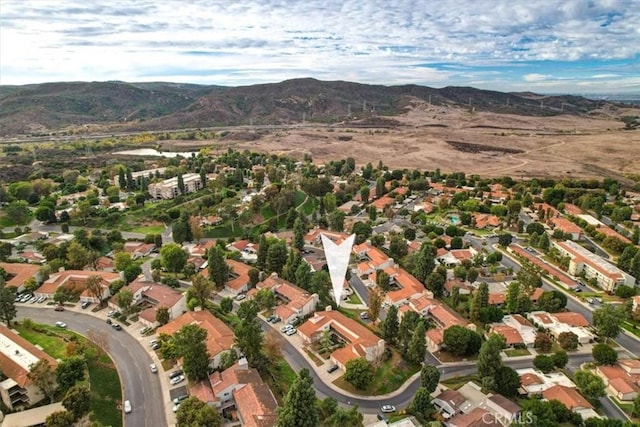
[[139, 385]]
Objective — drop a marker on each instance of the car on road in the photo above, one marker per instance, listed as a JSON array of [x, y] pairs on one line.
[[154, 368], [331, 369], [59, 308], [127, 407], [177, 380], [175, 374], [60, 324], [117, 327], [240, 297], [285, 328], [109, 321], [291, 332], [364, 315], [387, 408], [85, 304], [155, 346]]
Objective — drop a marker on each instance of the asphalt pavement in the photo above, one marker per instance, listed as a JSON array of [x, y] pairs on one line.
[[132, 360]]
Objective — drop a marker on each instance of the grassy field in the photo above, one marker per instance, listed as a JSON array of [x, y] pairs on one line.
[[106, 393], [299, 197], [515, 352], [310, 206], [7, 222], [457, 382], [149, 229]]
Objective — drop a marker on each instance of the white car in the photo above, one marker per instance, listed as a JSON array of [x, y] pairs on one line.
[[127, 407], [388, 408], [285, 328], [61, 324], [291, 331], [177, 380], [154, 368], [240, 297]]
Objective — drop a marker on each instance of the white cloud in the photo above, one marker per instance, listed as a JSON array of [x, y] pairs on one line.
[[373, 41]]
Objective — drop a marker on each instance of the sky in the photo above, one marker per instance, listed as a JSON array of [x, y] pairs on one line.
[[544, 46]]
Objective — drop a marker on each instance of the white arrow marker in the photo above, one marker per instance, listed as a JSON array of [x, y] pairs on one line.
[[337, 260]]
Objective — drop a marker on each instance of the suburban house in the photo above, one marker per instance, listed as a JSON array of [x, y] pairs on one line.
[[168, 189], [475, 418], [404, 286], [456, 256], [557, 323], [248, 251], [17, 355], [19, 274], [463, 288], [608, 276], [505, 410], [567, 227], [620, 380], [371, 258], [139, 249], [238, 277], [382, 203], [151, 296], [220, 337], [510, 335], [358, 340], [572, 399], [296, 302], [313, 236], [201, 249], [449, 403], [482, 221], [534, 382], [525, 328], [77, 280]]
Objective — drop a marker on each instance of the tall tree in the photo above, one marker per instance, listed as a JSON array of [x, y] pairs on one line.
[[429, 377], [196, 413], [455, 297], [60, 419], [359, 373], [435, 283], [263, 249], [298, 234], [589, 384], [43, 377], [299, 407], [70, 371], [507, 381], [303, 276], [513, 293], [77, 400], [173, 257], [604, 355], [201, 289], [276, 257], [190, 342], [375, 303], [196, 228], [489, 359], [77, 256], [480, 300], [390, 326], [218, 268], [418, 345], [162, 315], [94, 287], [421, 405], [124, 298], [8, 310], [607, 321], [181, 184], [408, 324], [249, 337]]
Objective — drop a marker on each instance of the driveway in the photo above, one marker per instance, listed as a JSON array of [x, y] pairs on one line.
[[132, 360]]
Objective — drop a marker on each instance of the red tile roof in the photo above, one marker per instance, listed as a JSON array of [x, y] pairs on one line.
[[572, 319], [256, 405], [569, 397], [11, 366], [219, 336], [19, 273]]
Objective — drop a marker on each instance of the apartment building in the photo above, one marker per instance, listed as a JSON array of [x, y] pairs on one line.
[[168, 189], [608, 276]]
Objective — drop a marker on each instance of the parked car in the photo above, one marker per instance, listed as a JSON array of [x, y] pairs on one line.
[[364, 315], [331, 369], [33, 299], [176, 407], [144, 330], [388, 408], [240, 297], [383, 418], [175, 374], [177, 380], [111, 313], [41, 299], [291, 331], [285, 328], [59, 308], [85, 304], [154, 368], [155, 346], [109, 321], [117, 327], [127, 407], [179, 399], [61, 324]]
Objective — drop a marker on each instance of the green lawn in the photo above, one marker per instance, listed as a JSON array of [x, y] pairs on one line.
[[51, 339], [149, 229], [354, 299], [515, 352], [7, 222], [457, 382], [310, 206], [299, 197], [267, 212], [223, 231], [106, 393]]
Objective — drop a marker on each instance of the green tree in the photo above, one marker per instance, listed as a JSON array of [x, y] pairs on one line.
[[254, 276], [263, 248], [17, 211], [568, 341], [173, 257], [77, 256], [359, 373], [201, 289], [266, 298], [249, 337], [589, 384], [299, 407], [131, 273], [480, 300], [43, 377], [607, 321], [124, 298], [435, 283], [636, 407], [417, 347], [455, 297], [162, 315], [421, 405], [303, 276], [424, 263], [513, 294], [196, 413], [70, 371], [60, 419], [226, 304], [408, 324], [8, 310], [298, 234], [544, 363], [190, 342], [604, 355], [429, 377], [390, 325], [77, 400], [461, 341], [336, 220], [383, 280], [218, 268], [122, 260], [375, 304], [489, 359], [507, 381], [505, 239], [276, 257]]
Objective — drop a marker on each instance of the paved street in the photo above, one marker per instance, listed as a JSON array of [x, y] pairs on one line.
[[132, 360]]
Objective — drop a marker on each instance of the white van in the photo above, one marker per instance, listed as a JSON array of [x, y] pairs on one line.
[[127, 407]]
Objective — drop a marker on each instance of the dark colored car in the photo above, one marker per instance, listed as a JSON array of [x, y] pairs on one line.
[[332, 368], [175, 374], [85, 304], [59, 308], [108, 321], [117, 327]]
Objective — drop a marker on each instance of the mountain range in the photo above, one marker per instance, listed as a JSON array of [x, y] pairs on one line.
[[120, 106]]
